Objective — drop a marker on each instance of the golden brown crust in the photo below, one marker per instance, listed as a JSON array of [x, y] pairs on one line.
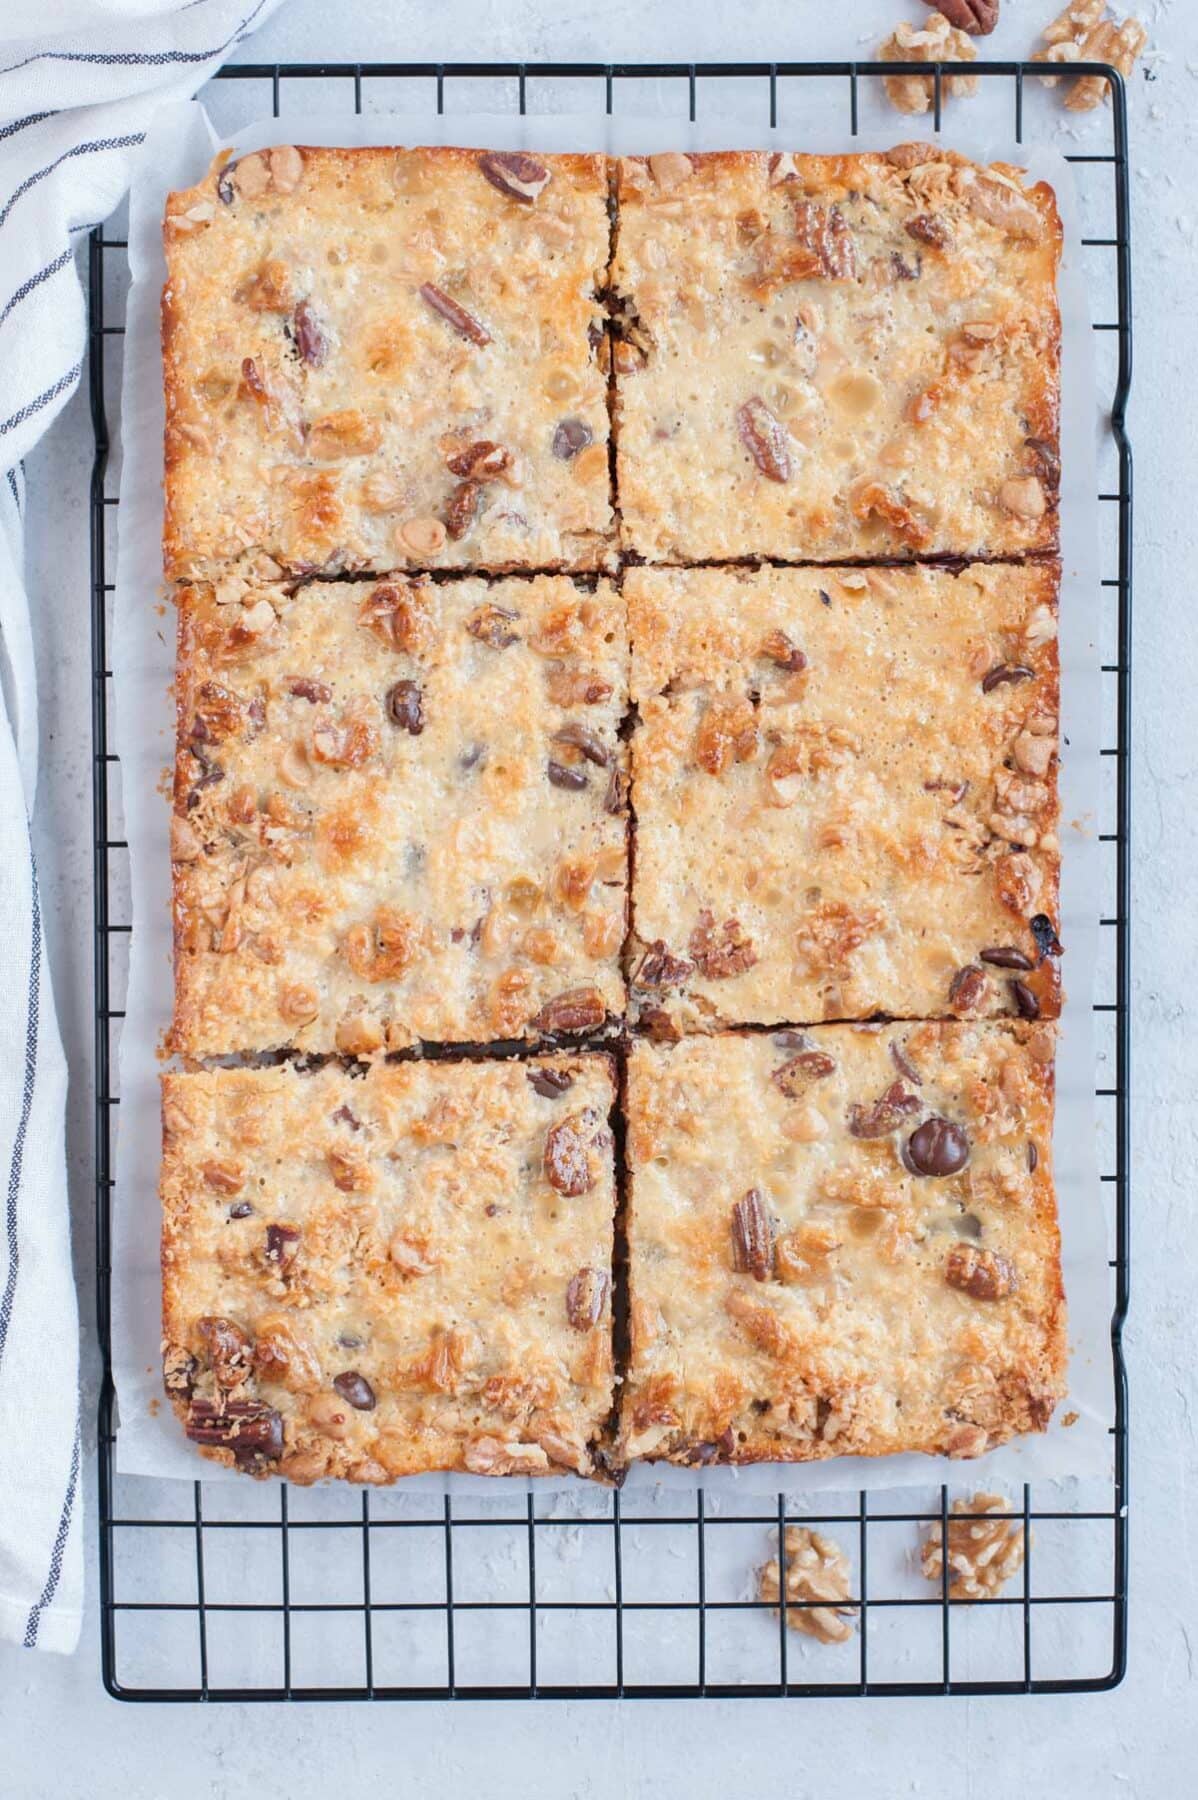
[[376, 1277], [399, 812], [400, 806], [342, 327], [855, 1306], [878, 340], [845, 792]]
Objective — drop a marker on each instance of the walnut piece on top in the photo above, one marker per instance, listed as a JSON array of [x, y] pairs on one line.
[[817, 1569], [983, 1553]]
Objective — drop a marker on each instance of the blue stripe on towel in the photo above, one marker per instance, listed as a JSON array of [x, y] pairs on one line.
[[117, 143], [35, 281], [51, 393], [56, 1555], [125, 59]]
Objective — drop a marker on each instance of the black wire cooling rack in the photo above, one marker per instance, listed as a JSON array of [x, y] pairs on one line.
[[242, 1591]]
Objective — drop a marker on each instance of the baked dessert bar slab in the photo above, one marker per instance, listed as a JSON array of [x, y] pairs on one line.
[[835, 356], [400, 813], [842, 1242], [845, 793], [380, 358], [380, 1276]]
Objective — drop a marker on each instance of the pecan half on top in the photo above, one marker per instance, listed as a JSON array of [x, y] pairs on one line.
[[310, 340], [764, 437], [968, 989], [252, 1431], [930, 229], [464, 323], [825, 231], [568, 1150], [462, 508], [479, 461], [586, 1296], [515, 173], [578, 1009], [982, 1274], [660, 968], [752, 1237], [720, 951], [491, 625], [884, 1115], [795, 1076], [396, 613]]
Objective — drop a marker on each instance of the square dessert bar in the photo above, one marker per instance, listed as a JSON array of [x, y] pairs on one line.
[[835, 356], [400, 813], [845, 793], [380, 358], [842, 1242], [403, 1272]]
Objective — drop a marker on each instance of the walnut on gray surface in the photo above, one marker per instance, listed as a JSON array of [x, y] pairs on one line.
[[1083, 32], [983, 1553], [933, 40], [817, 1570]]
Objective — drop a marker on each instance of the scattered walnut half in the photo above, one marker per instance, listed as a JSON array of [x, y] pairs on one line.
[[1083, 33], [933, 41], [817, 1569], [983, 1553]]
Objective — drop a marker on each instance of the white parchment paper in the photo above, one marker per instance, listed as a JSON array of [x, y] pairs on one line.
[[177, 152]]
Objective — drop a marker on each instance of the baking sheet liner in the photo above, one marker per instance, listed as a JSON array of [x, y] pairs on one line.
[[177, 152]]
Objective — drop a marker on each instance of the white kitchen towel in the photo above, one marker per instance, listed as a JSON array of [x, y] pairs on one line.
[[79, 82]]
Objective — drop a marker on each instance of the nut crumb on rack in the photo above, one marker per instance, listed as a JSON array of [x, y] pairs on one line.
[[935, 40], [1082, 32], [983, 1553], [817, 1570]]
